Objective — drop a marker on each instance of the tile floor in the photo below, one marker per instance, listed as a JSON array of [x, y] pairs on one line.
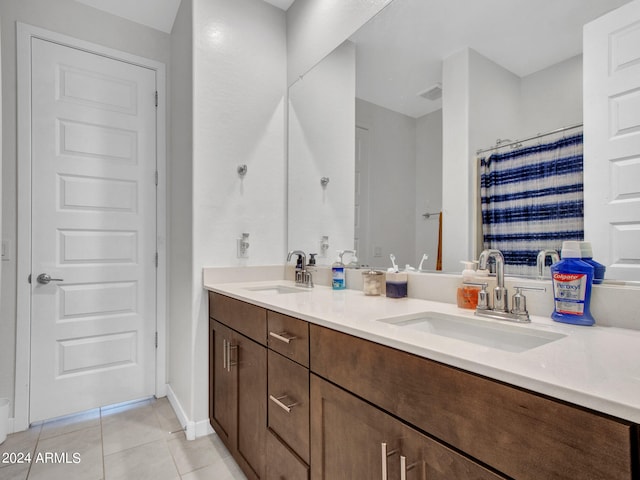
[[138, 441]]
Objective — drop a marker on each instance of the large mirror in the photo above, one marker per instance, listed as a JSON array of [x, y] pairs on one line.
[[370, 124]]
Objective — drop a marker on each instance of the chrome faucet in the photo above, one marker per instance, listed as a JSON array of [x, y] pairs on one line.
[[499, 293], [500, 310], [303, 277], [542, 257]]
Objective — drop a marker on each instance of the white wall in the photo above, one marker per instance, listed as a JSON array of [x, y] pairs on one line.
[[316, 27], [322, 144], [456, 198], [180, 188], [392, 184], [552, 98], [80, 21], [239, 118], [428, 180]]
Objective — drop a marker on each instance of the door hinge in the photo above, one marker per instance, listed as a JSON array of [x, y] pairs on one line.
[[156, 178], [156, 98], [156, 340], [156, 260]]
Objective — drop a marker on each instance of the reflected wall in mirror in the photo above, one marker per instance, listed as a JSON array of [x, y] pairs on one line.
[[321, 145], [506, 69]]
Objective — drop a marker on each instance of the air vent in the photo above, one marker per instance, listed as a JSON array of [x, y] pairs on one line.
[[432, 93]]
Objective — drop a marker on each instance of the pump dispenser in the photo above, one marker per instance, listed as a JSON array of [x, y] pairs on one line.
[[572, 279], [338, 280], [468, 294]]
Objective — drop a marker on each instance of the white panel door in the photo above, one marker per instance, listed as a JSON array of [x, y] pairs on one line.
[[93, 231], [612, 140]]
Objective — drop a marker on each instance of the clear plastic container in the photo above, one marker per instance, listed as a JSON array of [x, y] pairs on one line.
[[373, 283], [396, 285]]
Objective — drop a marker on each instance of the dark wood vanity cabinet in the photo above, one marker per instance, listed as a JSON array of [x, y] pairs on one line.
[[238, 381], [294, 401], [521, 434]]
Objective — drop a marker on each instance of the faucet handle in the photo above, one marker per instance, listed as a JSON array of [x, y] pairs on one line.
[[483, 295], [519, 301]]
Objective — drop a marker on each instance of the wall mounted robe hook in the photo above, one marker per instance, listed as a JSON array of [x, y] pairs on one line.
[[242, 170], [324, 181]]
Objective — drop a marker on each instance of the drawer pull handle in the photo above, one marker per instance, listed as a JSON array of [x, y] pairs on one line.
[[404, 468], [283, 336], [385, 455], [285, 406]]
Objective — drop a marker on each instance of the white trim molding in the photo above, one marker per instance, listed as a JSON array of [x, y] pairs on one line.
[[25, 33], [192, 429]]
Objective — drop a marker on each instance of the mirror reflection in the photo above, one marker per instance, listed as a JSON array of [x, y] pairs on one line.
[[432, 80]]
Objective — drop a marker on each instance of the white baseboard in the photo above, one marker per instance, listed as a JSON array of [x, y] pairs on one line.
[[192, 429], [11, 422]]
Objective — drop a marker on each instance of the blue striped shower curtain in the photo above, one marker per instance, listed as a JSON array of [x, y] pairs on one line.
[[532, 200]]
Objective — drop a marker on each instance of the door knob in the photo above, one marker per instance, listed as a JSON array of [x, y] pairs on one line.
[[45, 278]]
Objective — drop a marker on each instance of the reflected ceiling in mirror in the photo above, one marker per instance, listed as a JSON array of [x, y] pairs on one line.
[[400, 51]]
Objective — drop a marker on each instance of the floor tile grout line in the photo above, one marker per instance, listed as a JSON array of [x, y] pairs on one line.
[[35, 449], [166, 440]]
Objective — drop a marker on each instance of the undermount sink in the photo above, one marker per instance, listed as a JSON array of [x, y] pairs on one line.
[[276, 289], [501, 336]]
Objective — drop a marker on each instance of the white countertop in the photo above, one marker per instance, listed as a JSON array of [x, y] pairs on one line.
[[596, 367]]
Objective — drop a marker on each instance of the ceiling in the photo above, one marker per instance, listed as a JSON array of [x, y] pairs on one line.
[[158, 14], [400, 51], [282, 4]]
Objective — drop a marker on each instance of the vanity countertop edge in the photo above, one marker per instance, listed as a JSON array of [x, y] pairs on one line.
[[593, 367]]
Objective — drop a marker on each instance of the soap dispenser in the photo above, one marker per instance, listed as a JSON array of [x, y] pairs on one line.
[[467, 296], [338, 280]]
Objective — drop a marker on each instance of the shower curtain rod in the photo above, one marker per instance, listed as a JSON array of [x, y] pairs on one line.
[[540, 135]]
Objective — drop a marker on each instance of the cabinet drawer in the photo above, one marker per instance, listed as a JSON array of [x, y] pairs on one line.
[[349, 437], [288, 397], [282, 463], [288, 336], [245, 318], [522, 434]]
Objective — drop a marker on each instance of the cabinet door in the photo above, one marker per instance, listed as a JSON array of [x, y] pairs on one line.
[[222, 408], [348, 437], [352, 440], [249, 360]]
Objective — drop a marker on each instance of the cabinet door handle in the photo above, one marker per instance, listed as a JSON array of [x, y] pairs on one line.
[[225, 354], [285, 406], [283, 336], [403, 467], [384, 461], [231, 363], [385, 455]]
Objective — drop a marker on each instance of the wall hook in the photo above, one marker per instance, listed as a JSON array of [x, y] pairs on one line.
[[242, 170], [324, 181]]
